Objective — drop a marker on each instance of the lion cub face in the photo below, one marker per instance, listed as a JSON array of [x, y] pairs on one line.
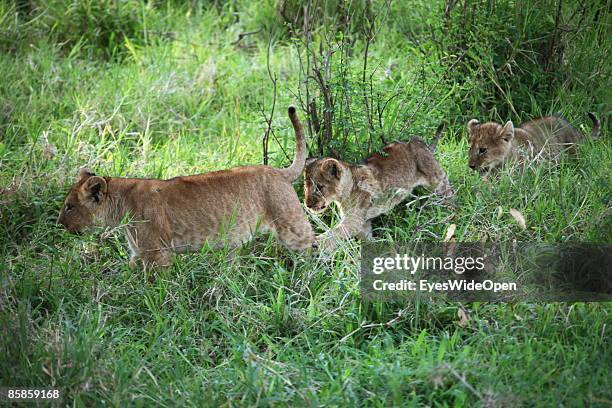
[[324, 181], [490, 144], [84, 203]]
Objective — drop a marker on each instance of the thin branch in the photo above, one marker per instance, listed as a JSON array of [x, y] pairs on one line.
[[242, 35], [459, 59], [553, 41], [266, 138]]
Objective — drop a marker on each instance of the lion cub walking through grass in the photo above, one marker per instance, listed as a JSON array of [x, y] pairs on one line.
[[491, 144], [182, 213], [373, 188]]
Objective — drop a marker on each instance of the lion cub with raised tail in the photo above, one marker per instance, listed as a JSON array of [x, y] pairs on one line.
[[373, 188], [491, 144], [182, 213]]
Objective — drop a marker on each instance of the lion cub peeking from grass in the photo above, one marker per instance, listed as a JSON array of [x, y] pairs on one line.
[[491, 144], [373, 188], [182, 213]]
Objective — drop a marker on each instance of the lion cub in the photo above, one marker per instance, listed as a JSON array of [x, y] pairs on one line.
[[182, 213], [373, 188], [491, 143]]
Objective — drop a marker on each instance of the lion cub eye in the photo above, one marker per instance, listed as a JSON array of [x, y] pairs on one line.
[[68, 207], [482, 150]]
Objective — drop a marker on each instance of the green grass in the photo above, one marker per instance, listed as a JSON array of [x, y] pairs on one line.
[[259, 325]]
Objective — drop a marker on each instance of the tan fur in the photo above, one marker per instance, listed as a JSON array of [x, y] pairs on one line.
[[181, 214], [491, 144], [374, 188]]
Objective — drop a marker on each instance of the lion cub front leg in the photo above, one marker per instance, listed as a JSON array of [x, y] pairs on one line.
[[131, 235], [156, 258], [150, 258], [147, 248]]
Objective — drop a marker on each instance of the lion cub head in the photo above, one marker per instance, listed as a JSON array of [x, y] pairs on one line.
[[86, 201], [325, 180], [490, 144]]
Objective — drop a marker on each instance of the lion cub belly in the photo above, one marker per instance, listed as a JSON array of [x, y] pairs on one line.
[[387, 201], [231, 228]]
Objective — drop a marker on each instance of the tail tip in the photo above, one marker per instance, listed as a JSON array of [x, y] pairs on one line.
[[596, 125], [291, 110]]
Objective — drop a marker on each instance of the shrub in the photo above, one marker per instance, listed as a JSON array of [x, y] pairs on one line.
[[12, 29], [513, 54], [101, 27], [347, 16]]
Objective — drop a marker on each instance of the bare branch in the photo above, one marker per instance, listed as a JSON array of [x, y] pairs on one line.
[[242, 35], [266, 138]]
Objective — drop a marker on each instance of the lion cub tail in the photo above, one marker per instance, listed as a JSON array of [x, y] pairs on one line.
[[293, 172], [596, 125], [437, 137]]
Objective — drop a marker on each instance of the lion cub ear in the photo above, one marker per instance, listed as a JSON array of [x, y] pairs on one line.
[[472, 126], [95, 188], [332, 167], [508, 131], [309, 161], [84, 172]]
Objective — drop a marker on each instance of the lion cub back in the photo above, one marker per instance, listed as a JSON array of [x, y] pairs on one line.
[[551, 134], [406, 165]]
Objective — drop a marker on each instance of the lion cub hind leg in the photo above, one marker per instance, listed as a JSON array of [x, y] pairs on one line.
[[295, 233], [431, 173], [443, 188], [289, 222]]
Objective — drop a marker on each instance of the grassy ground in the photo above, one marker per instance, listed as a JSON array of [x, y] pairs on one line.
[[263, 326]]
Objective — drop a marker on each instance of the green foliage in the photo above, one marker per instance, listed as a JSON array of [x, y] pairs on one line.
[[11, 29], [106, 29], [98, 26], [513, 53], [341, 15]]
